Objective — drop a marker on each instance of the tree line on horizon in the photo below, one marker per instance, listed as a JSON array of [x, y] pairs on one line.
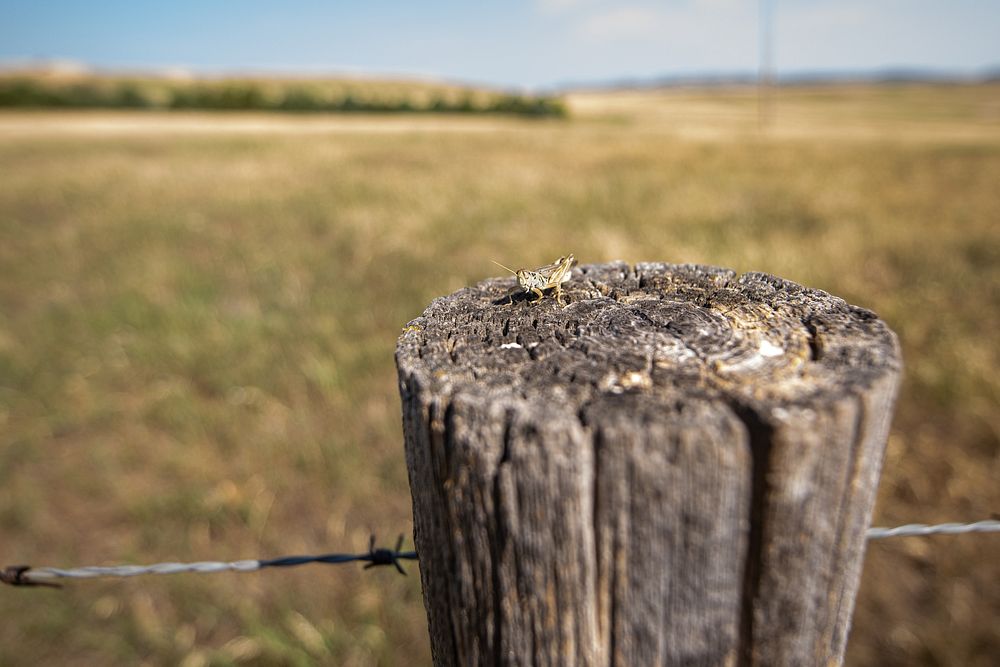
[[28, 92]]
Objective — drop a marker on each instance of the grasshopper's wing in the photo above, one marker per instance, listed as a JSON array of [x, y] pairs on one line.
[[556, 271], [561, 271], [549, 269]]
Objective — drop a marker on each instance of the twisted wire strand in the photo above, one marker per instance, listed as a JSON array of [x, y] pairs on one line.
[[44, 573], [921, 529]]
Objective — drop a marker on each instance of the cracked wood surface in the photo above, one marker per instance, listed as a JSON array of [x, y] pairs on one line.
[[677, 468]]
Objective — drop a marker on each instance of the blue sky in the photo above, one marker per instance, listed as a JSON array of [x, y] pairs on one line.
[[529, 43]]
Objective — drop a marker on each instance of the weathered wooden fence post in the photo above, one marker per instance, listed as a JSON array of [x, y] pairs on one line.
[[677, 468]]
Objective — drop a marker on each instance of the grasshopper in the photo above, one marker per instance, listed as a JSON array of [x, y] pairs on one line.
[[543, 278]]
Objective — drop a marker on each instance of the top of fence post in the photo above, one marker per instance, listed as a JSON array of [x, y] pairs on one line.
[[677, 467]]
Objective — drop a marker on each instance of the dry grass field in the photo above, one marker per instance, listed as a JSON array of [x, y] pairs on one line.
[[198, 314]]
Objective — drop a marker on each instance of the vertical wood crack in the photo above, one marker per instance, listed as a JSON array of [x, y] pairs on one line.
[[760, 435]]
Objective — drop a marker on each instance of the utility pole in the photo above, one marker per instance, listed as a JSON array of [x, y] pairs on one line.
[[765, 69]]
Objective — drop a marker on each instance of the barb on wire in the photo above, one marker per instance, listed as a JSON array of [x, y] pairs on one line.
[[920, 529], [24, 575], [375, 557]]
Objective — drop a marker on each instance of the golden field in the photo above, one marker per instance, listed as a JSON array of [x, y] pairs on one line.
[[198, 314]]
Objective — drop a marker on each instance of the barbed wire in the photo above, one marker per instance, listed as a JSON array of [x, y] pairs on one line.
[[25, 575]]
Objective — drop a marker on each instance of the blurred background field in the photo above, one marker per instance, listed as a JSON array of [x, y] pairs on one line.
[[198, 314]]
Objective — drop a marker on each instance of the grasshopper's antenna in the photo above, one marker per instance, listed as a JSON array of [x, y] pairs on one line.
[[504, 267]]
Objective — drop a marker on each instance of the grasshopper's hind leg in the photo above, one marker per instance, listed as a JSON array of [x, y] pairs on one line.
[[559, 294]]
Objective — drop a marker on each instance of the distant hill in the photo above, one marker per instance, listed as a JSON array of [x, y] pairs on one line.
[[888, 75]]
